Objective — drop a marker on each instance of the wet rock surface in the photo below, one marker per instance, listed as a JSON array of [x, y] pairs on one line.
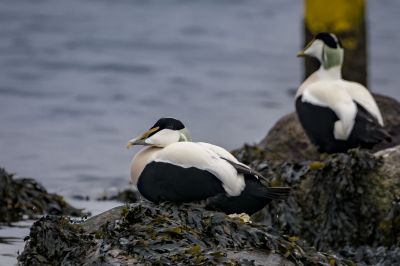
[[166, 234], [287, 140], [25, 198]]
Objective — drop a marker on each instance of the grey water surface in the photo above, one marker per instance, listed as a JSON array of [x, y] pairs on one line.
[[79, 78]]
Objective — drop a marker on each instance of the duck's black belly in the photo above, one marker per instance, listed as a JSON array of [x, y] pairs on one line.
[[318, 123], [161, 181]]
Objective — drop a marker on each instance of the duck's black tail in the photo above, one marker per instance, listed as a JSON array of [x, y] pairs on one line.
[[368, 130], [252, 199], [277, 193]]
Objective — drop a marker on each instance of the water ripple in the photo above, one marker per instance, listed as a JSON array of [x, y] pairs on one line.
[[24, 93], [102, 67]]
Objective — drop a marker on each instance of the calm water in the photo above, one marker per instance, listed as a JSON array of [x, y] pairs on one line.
[[80, 78]]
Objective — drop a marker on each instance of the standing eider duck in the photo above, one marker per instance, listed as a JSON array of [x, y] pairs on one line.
[[172, 168], [336, 114]]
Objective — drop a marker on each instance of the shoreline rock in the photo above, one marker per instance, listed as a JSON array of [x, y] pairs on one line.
[[24, 198], [344, 205], [147, 234], [348, 203], [343, 209]]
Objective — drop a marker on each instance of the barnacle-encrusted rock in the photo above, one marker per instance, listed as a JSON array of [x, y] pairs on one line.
[[166, 234], [25, 197], [287, 140]]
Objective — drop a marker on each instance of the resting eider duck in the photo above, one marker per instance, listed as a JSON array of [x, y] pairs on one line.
[[336, 114], [172, 168]]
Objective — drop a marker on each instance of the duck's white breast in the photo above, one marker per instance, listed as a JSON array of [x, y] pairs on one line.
[[140, 160]]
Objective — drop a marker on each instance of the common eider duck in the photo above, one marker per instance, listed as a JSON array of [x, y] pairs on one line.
[[173, 168], [336, 114]]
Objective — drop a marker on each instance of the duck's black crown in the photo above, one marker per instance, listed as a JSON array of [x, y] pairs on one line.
[[169, 123], [329, 39]]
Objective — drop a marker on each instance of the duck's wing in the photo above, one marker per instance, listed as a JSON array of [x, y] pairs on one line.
[[363, 97], [241, 168], [368, 128], [191, 154], [220, 151], [244, 169]]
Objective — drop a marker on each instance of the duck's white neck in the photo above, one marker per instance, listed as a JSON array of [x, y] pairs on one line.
[[331, 73]]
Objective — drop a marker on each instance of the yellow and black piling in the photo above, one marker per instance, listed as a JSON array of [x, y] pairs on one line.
[[346, 19]]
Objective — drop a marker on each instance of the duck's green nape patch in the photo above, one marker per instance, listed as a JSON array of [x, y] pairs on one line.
[[332, 57]]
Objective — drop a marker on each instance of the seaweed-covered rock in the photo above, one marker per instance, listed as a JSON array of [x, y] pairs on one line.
[[165, 234], [367, 255], [348, 202], [287, 140], [26, 198], [53, 240]]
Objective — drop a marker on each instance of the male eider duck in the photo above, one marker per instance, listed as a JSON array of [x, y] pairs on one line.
[[336, 114], [172, 168]]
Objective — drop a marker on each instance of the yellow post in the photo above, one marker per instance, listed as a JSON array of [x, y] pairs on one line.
[[345, 18]]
